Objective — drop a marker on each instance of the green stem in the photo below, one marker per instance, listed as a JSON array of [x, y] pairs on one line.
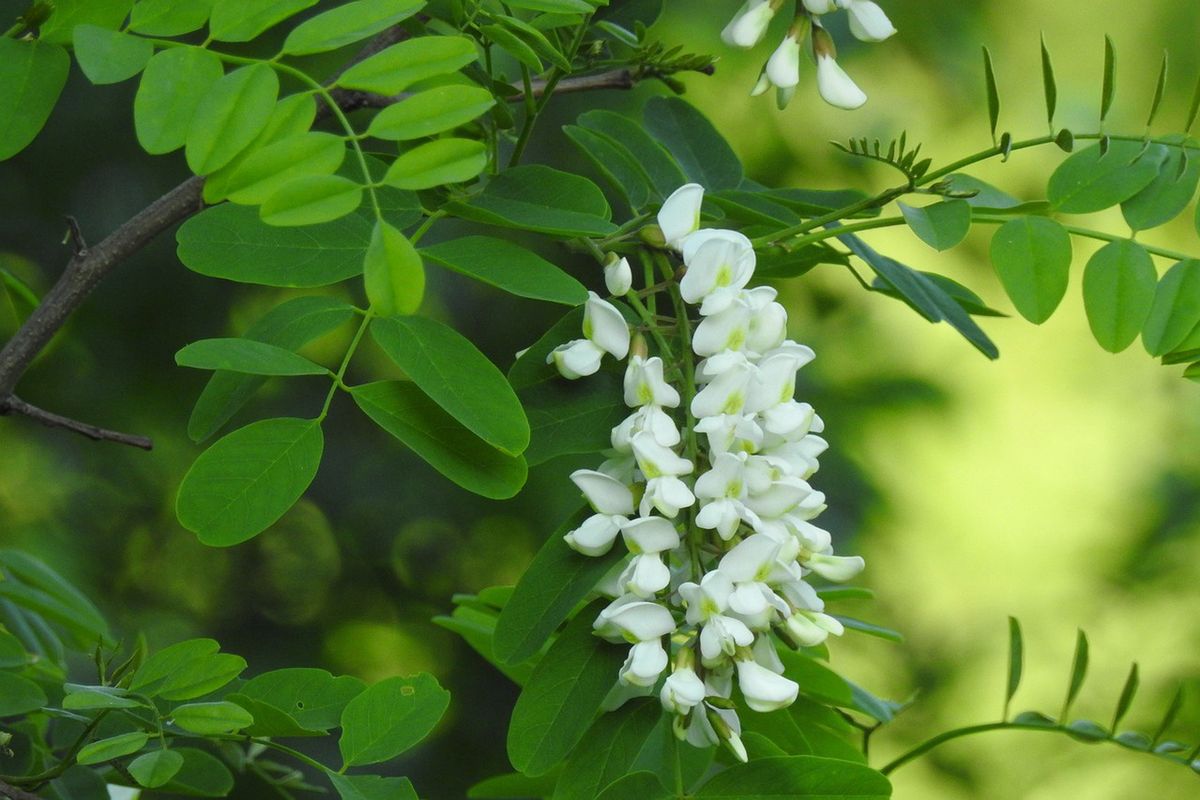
[[68, 759], [556, 75], [866, 204], [339, 376], [1088, 233]]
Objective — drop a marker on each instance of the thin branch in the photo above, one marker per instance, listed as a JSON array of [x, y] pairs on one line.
[[613, 79], [15, 405], [13, 793]]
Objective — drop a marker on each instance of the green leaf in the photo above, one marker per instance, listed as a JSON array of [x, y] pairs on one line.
[[430, 112], [513, 786], [436, 163], [407, 413], [664, 174], [1176, 309], [35, 586], [571, 417], [614, 163], [113, 747], [1159, 88], [986, 196], [311, 199], [509, 267], [1127, 693], [1118, 290], [394, 69], [290, 325], [314, 698], [1094, 179], [1079, 665], [460, 379], [292, 116], [1109, 88], [687, 134], [923, 294], [1168, 194], [70, 13], [1016, 661], [347, 24], [169, 17], [513, 44], [1048, 83], [232, 242], [246, 481], [783, 778], [267, 169], [156, 768], [12, 653], [541, 199], [110, 56], [390, 717], [1193, 109], [243, 20], [870, 629], [32, 76], [536, 40], [557, 706], [993, 94], [555, 6], [173, 85], [19, 695], [211, 718], [372, 787], [201, 775], [393, 272], [555, 582], [636, 786], [941, 225], [1032, 256], [608, 750], [245, 355], [86, 698], [186, 670]]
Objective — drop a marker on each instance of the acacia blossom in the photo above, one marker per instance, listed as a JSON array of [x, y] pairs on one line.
[[708, 489]]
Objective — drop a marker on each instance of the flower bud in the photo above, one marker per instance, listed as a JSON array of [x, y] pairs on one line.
[[783, 67], [618, 276], [680, 214], [763, 689], [604, 325], [576, 359], [749, 25], [868, 22], [682, 691]]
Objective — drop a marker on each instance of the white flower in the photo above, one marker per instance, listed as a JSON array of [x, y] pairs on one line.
[[748, 26], [646, 661], [611, 500], [727, 432], [618, 276], [644, 384], [650, 535], [717, 269], [835, 85], [783, 67], [835, 568], [662, 467], [680, 214], [763, 689], [724, 394], [651, 419], [820, 6], [604, 326], [576, 359], [868, 23], [723, 490], [682, 691], [630, 618]]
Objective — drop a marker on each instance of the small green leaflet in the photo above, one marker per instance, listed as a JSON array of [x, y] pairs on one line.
[[430, 112], [268, 168], [1094, 179], [554, 583], [636, 786], [539, 198], [347, 24], [245, 355], [798, 777], [19, 695], [372, 787], [107, 56], [1169, 193], [247, 480], [393, 70], [211, 718], [201, 774], [243, 20], [311, 199], [614, 163], [169, 17], [513, 44], [292, 116], [70, 13], [562, 697], [1118, 291], [390, 717], [154, 769], [407, 413], [91, 697], [186, 670], [993, 94], [1032, 256], [113, 747], [173, 85], [436, 163], [1079, 667], [460, 379], [230, 116], [34, 586], [555, 6], [509, 267], [1176, 308], [1016, 662], [393, 272], [664, 174], [940, 225], [32, 75], [313, 698], [702, 152]]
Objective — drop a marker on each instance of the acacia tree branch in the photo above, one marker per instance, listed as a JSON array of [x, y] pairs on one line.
[[90, 265], [13, 793]]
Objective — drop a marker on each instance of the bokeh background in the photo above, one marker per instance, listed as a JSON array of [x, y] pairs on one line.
[[1058, 484]]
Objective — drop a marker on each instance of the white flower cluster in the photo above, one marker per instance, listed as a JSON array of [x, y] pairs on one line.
[[718, 579], [868, 22]]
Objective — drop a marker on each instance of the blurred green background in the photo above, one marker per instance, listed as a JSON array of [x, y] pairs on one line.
[[1058, 485]]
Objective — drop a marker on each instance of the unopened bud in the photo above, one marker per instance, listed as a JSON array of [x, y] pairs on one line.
[[653, 236]]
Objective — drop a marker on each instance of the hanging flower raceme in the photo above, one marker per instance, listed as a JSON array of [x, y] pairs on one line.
[[707, 483], [782, 71]]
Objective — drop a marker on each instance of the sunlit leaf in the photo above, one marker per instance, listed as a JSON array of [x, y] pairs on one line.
[[1032, 256], [390, 717], [1118, 290]]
